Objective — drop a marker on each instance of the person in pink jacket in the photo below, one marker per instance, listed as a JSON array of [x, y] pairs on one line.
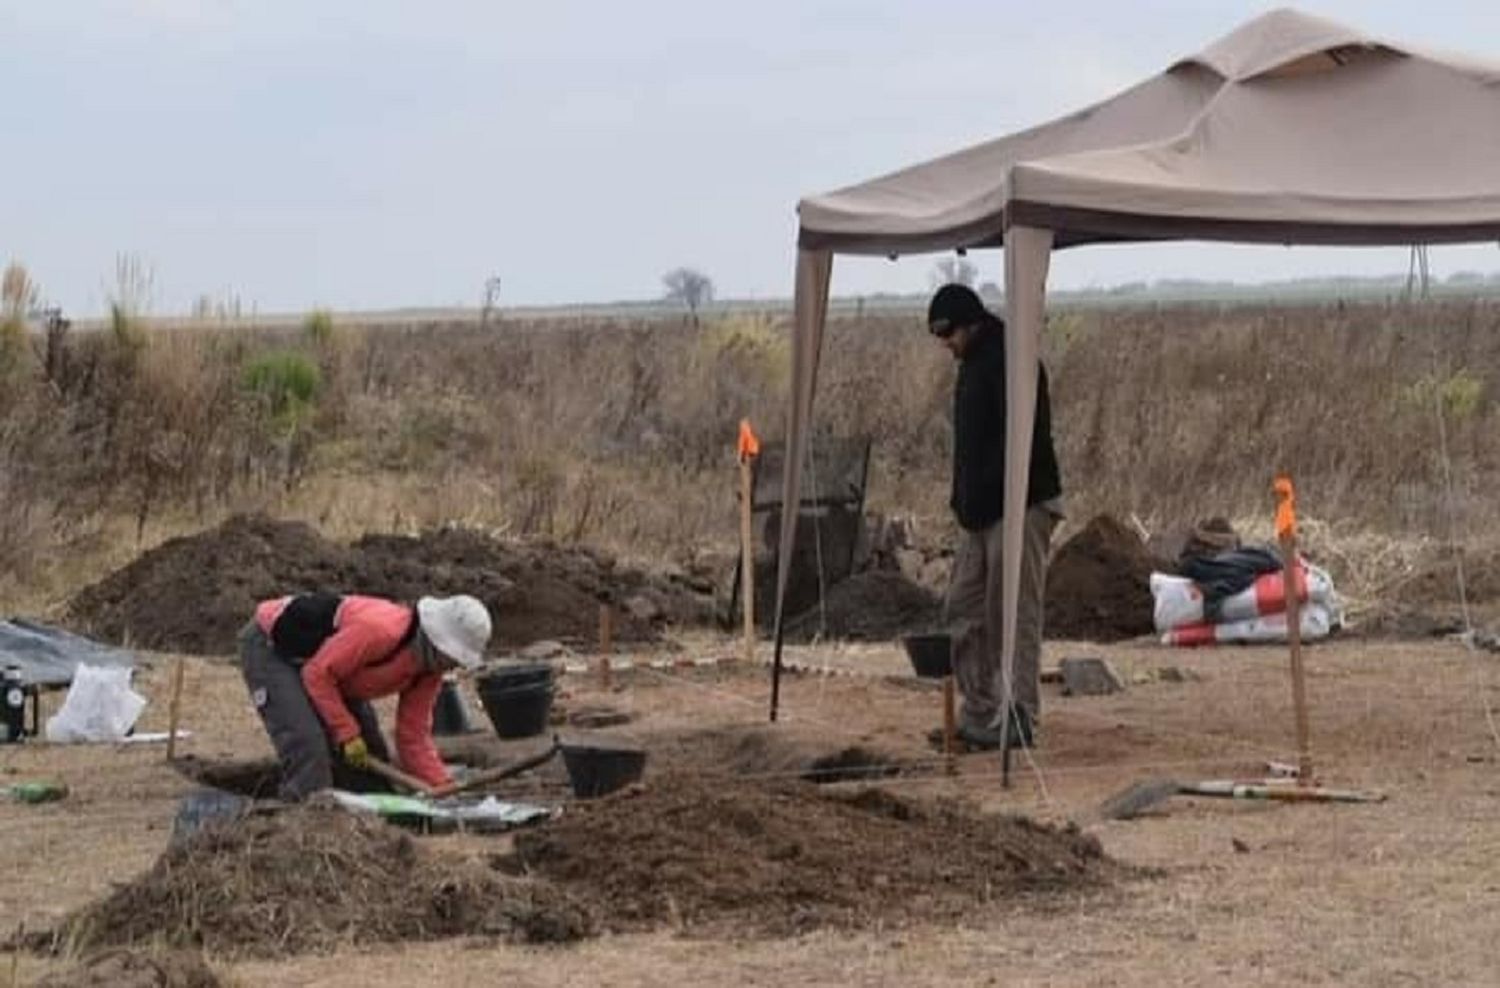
[[313, 662]]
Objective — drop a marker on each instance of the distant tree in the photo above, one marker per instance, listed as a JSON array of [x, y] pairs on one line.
[[959, 270], [491, 297], [689, 286]]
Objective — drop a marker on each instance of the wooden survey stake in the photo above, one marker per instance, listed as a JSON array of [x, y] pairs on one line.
[[749, 449], [606, 642], [948, 725], [1286, 534], [174, 710]]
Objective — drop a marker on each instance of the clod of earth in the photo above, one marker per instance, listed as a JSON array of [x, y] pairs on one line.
[[310, 879], [714, 854], [193, 594], [1099, 585]]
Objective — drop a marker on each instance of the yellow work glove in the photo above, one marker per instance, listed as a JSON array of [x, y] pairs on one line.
[[356, 753]]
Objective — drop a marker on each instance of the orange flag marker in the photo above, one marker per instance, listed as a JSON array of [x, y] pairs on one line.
[[749, 449]]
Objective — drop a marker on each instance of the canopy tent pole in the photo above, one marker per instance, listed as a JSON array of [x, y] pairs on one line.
[[810, 314], [1028, 253]]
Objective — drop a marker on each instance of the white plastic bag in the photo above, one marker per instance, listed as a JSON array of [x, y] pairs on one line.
[[1178, 601], [100, 706]]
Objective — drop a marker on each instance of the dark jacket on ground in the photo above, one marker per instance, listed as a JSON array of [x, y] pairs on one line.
[[979, 435]]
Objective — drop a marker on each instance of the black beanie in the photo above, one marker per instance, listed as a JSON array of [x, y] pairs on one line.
[[953, 306]]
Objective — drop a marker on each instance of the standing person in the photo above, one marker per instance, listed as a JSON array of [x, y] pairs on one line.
[[972, 610], [313, 662]]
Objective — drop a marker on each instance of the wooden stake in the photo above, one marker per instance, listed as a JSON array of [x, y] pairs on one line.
[[747, 559], [1291, 588], [606, 642], [175, 708], [948, 724]]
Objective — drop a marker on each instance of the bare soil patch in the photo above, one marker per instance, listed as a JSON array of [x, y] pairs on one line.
[[309, 880], [136, 969], [780, 859], [193, 594]]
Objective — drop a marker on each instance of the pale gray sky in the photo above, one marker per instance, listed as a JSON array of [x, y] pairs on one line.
[[381, 153]]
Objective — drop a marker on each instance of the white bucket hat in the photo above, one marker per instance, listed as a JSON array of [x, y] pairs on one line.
[[459, 627]]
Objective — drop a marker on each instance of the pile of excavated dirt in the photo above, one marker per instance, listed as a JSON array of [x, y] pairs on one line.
[[193, 594], [1099, 585], [136, 969], [714, 855], [311, 879], [876, 605]]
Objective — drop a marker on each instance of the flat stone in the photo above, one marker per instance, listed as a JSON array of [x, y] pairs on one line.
[[1089, 677], [541, 651]]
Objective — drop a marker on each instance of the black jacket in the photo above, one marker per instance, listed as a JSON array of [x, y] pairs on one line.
[[979, 435]]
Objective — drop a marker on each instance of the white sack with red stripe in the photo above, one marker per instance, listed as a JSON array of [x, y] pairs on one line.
[[1179, 603], [1318, 621]]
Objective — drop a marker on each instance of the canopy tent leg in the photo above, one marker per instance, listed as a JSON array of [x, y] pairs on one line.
[[810, 314], [1028, 252]]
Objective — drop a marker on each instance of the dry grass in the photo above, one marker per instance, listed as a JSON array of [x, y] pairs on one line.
[[620, 432]]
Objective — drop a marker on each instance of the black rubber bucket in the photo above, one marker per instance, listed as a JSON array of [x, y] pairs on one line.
[[517, 711], [598, 770], [931, 655], [450, 715]]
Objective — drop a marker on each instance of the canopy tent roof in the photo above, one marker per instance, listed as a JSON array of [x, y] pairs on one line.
[[1289, 129]]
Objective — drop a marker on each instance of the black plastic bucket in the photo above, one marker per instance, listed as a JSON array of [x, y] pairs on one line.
[[931, 655], [518, 711], [598, 770], [450, 715]]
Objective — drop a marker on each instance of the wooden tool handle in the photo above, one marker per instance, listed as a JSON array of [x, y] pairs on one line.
[[399, 777], [503, 772]]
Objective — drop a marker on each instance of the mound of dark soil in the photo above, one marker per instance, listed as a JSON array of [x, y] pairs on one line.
[[311, 879], [876, 605], [193, 594], [136, 969], [1099, 585], [707, 854]]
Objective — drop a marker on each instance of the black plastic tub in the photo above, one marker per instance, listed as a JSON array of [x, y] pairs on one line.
[[517, 711], [598, 770], [516, 674], [931, 654]]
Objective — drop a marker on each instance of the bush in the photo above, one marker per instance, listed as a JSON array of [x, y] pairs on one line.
[[288, 383]]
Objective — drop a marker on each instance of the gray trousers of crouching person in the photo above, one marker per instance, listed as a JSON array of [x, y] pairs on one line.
[[973, 614], [308, 760]]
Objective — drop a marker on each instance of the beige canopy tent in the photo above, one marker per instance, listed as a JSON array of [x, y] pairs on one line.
[[1291, 129]]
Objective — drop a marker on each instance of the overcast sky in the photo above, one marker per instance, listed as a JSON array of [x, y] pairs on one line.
[[381, 153]]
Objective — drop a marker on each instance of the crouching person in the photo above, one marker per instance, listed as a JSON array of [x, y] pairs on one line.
[[313, 663]]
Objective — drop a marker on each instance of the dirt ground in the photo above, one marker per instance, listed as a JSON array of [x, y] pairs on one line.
[[1402, 892]]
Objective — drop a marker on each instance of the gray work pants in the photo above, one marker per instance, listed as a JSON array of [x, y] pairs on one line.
[[308, 760], [972, 613]]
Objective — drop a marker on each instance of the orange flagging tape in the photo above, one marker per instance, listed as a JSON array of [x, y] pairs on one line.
[[1286, 507], [749, 444]]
